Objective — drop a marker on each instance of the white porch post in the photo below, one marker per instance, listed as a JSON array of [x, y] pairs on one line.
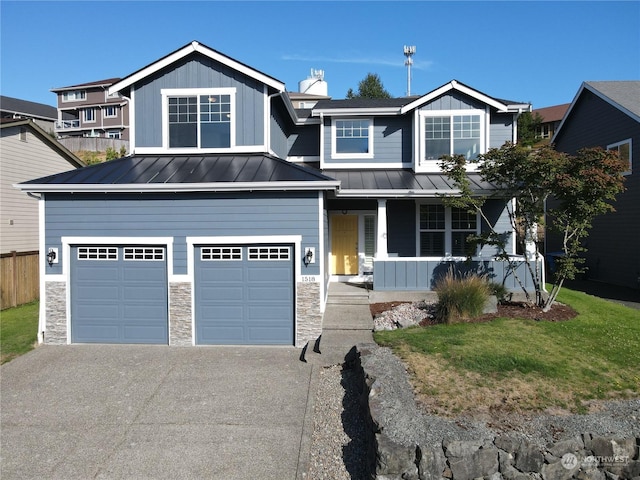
[[382, 229]]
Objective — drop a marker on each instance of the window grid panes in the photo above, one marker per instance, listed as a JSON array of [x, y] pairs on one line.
[[432, 234], [352, 136], [463, 224], [97, 253], [89, 115], [200, 121], [183, 121], [268, 253], [450, 135], [221, 253], [144, 253]]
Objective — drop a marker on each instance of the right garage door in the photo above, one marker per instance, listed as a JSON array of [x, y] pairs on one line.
[[244, 295]]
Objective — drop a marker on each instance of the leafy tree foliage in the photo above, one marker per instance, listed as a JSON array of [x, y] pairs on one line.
[[582, 187], [370, 87], [528, 124]]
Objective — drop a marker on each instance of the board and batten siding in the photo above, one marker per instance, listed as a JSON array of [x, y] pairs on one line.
[[500, 129], [184, 215], [22, 160], [199, 72], [453, 101], [392, 143]]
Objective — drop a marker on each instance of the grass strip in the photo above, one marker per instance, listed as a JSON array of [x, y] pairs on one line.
[[18, 330]]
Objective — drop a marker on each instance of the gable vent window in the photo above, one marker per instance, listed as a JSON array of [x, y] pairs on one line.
[[202, 120], [269, 253], [97, 253], [144, 253], [221, 253]]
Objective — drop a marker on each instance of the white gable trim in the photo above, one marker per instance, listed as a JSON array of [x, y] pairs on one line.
[[194, 47]]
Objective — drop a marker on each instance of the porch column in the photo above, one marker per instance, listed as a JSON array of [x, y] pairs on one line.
[[382, 230]]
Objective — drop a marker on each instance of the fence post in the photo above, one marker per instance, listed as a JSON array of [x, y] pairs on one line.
[[14, 287]]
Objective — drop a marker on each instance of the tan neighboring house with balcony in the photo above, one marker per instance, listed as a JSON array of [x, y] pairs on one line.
[[87, 110]]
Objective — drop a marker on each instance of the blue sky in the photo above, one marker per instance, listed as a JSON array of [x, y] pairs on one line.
[[528, 51]]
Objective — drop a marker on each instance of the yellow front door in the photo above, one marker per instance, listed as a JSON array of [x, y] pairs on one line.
[[344, 245]]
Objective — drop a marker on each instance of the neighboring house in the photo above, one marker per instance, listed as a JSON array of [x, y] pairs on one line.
[[89, 110], [551, 118], [235, 210], [607, 115], [44, 116], [25, 150]]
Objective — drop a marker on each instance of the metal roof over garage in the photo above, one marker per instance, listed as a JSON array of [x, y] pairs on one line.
[[228, 172]]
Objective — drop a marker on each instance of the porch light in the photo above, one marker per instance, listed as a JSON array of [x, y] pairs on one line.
[[51, 256], [308, 256]]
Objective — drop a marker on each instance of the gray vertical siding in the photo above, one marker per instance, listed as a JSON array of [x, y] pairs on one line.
[[496, 212], [278, 134], [453, 101], [501, 129], [199, 72], [182, 215]]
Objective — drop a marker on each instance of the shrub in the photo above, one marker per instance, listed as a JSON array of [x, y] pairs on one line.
[[460, 298]]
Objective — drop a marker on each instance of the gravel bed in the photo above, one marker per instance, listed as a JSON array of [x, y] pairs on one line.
[[338, 446]]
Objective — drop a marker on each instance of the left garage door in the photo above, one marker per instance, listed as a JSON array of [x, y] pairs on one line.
[[119, 294]]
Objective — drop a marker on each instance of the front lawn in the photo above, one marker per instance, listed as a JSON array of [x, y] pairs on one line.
[[510, 364], [18, 330]]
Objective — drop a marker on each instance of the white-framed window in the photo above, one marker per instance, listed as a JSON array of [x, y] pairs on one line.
[[89, 115], [74, 96], [152, 254], [269, 253], [220, 253], [352, 138], [110, 111], [624, 152], [443, 231], [98, 253], [452, 132], [199, 118], [117, 134]]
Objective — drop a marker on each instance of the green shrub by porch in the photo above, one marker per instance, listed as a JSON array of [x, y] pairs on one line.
[[461, 298]]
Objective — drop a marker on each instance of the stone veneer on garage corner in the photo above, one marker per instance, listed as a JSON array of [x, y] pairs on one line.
[[56, 313], [308, 313]]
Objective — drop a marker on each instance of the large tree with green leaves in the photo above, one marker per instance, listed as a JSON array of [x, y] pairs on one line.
[[370, 87], [528, 125], [582, 187]]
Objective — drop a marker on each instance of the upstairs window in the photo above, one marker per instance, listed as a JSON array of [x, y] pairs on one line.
[[202, 119], [110, 111], [89, 115], [74, 96], [352, 138], [451, 134], [443, 231], [624, 152]]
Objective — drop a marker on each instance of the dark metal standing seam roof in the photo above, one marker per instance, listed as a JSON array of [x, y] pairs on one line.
[[184, 169]]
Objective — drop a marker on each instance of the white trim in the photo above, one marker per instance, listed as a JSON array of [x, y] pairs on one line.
[[187, 50], [250, 149], [185, 187], [329, 165], [399, 193], [42, 314], [370, 130], [322, 142], [346, 112], [303, 159], [132, 125], [381, 230], [321, 253]]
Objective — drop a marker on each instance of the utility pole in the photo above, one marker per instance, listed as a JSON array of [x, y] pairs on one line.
[[409, 51]]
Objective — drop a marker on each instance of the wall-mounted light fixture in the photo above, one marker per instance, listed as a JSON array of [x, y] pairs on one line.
[[52, 256], [309, 255]]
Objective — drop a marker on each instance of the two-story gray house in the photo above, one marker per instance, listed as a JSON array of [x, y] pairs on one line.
[[235, 210]]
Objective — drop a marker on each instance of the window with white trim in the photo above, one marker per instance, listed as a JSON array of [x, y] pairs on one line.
[[352, 138], [624, 152], [269, 253], [110, 111], [89, 115], [451, 133], [114, 134], [200, 118], [443, 231], [144, 253], [220, 253], [97, 253], [74, 96]]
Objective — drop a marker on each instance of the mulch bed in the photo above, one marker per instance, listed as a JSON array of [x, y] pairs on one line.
[[557, 313]]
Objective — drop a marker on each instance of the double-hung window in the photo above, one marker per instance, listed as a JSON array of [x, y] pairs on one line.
[[352, 138], [110, 111], [624, 153], [89, 115], [199, 118], [451, 133], [443, 231]]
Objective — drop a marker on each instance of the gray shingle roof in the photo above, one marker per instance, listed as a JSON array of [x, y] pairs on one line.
[[625, 94], [27, 108]]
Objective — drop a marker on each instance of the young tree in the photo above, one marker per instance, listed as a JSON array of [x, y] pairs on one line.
[[370, 87], [528, 124], [582, 187]]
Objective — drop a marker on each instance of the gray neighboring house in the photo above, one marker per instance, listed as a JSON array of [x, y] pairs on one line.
[[607, 114], [236, 210], [45, 116]]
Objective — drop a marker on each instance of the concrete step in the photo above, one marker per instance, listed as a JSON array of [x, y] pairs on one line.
[[340, 300]]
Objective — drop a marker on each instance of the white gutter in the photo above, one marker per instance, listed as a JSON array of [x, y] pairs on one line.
[[399, 193], [181, 187]]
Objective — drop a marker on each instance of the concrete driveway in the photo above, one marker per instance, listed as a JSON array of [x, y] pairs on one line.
[[152, 412]]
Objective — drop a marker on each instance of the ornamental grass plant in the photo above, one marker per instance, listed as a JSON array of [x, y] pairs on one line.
[[461, 298]]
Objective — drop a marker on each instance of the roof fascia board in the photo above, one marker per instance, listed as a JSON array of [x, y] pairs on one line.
[[181, 187], [347, 112], [403, 193], [454, 85], [194, 47]]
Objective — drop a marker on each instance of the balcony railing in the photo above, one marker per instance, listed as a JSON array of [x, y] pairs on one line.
[[65, 124]]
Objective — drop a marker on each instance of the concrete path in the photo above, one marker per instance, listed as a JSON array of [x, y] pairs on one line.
[[154, 412]]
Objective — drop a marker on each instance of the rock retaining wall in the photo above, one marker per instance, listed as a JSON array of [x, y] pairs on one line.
[[403, 445]]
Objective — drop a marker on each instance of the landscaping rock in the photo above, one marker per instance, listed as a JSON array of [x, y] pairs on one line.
[[569, 445], [431, 464], [529, 458], [471, 459]]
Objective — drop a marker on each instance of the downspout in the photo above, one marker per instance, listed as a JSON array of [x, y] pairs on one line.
[[42, 321]]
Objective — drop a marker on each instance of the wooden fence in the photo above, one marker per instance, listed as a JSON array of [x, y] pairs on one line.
[[19, 278], [93, 144]]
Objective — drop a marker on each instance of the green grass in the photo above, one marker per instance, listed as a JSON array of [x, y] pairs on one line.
[[18, 330], [550, 364]]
